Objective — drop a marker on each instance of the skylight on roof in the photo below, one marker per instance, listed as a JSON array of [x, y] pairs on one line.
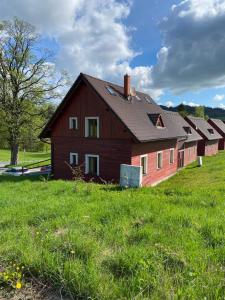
[[211, 131], [147, 99], [138, 98], [111, 91]]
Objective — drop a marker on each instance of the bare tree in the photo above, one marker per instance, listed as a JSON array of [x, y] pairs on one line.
[[27, 78]]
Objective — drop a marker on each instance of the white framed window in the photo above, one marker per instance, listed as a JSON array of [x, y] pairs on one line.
[[92, 164], [92, 127], [171, 156], [144, 164], [159, 160], [73, 123], [73, 159]]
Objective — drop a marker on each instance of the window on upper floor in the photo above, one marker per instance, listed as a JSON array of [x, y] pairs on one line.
[[159, 160], [144, 164], [73, 123], [92, 127]]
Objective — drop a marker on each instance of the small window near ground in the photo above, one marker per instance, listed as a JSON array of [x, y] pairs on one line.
[[144, 164], [73, 159], [92, 165], [171, 156], [92, 127], [159, 160], [73, 124]]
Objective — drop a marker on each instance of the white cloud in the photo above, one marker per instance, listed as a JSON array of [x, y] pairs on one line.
[[193, 104], [193, 52], [91, 36], [221, 105], [218, 98], [169, 104]]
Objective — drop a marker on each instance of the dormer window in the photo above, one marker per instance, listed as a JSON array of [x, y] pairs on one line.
[[187, 130], [211, 131], [73, 124], [156, 120]]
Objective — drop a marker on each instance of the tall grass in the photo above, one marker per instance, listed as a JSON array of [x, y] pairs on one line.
[[100, 242]]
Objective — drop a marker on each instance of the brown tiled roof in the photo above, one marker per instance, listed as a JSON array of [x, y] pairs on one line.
[[133, 112], [220, 124], [185, 127], [204, 128]]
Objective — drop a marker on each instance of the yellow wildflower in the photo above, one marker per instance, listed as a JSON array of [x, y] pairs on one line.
[[18, 285]]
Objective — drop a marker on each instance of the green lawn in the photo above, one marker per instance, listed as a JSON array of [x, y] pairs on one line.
[[98, 242], [24, 157]]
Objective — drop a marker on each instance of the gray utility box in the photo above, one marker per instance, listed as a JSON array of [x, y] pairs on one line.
[[130, 176]]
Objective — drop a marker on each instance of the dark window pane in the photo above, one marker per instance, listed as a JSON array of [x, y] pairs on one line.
[[74, 124], [92, 127], [93, 165], [143, 164]]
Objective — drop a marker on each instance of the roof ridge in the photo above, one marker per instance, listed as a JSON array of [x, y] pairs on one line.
[[112, 83], [197, 118]]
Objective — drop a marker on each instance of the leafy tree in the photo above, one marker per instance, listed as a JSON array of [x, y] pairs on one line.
[[27, 80], [199, 111], [182, 110]]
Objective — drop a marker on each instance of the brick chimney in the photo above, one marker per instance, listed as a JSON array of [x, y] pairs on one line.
[[127, 86]]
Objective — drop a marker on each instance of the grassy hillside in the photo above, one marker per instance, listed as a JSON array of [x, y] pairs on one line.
[[24, 156], [97, 241]]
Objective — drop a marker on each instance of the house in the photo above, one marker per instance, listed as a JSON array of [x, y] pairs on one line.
[[210, 143], [100, 125], [219, 126], [187, 147]]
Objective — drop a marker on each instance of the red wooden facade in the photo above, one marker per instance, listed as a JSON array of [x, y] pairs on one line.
[[221, 132], [115, 145], [188, 152], [208, 148]]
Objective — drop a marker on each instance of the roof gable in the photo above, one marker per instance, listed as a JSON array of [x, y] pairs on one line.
[[204, 128], [219, 124], [191, 134], [132, 111]]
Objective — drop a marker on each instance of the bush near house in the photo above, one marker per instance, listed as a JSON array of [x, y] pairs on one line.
[[99, 242]]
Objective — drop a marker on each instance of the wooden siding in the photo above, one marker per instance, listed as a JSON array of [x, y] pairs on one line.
[[208, 148], [112, 153], [221, 141], [155, 175], [190, 153], [113, 145], [86, 103]]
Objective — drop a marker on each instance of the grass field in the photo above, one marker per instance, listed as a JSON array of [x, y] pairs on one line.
[[24, 157], [99, 242]]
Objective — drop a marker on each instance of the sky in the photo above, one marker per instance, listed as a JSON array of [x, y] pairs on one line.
[[173, 49]]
